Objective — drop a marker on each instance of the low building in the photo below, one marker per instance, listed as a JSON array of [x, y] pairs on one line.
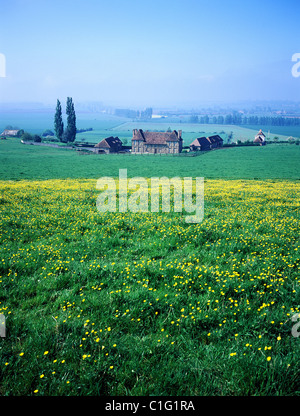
[[108, 145], [156, 142], [10, 133], [260, 138], [206, 143]]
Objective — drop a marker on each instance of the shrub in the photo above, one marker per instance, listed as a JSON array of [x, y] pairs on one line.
[[50, 139], [27, 137], [48, 133], [37, 138]]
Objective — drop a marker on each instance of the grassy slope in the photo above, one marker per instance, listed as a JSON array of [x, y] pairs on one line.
[[19, 161]]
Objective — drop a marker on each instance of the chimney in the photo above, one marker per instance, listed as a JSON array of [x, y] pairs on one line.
[[179, 134]]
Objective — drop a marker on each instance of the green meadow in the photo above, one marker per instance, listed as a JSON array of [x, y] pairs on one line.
[[276, 161], [141, 304]]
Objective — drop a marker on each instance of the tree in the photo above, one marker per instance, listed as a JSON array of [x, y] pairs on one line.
[[228, 119], [58, 123], [194, 119], [71, 120], [27, 137], [10, 127], [37, 138], [48, 132], [220, 120], [230, 137]]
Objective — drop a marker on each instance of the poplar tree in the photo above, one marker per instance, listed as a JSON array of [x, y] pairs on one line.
[[58, 122], [71, 120]]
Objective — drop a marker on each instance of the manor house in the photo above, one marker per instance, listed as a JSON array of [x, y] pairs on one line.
[[156, 142]]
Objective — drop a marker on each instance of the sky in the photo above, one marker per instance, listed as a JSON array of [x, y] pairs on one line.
[[164, 53]]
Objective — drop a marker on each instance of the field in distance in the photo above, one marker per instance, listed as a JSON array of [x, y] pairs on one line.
[[190, 131], [105, 125]]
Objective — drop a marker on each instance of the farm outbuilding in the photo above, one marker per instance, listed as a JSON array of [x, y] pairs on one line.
[[10, 133], [108, 145], [207, 143], [260, 138]]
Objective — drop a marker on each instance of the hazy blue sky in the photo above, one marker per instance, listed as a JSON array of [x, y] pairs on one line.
[[149, 53]]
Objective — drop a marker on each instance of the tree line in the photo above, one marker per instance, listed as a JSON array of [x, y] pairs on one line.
[[126, 112], [67, 134], [238, 119]]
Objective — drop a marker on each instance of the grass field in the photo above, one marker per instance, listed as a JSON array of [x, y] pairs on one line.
[[20, 161], [146, 304], [141, 304]]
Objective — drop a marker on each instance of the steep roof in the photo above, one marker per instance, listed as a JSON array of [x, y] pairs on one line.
[[201, 141], [260, 133], [260, 137], [138, 134], [7, 132], [215, 139], [151, 137], [110, 142]]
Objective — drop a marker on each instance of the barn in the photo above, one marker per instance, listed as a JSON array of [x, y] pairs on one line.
[[10, 133], [260, 138], [206, 143], [109, 145]]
